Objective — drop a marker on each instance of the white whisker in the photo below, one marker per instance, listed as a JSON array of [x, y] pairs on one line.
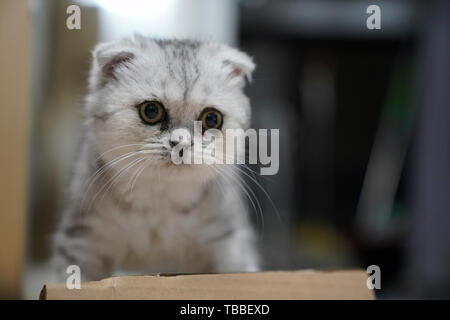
[[112, 180]]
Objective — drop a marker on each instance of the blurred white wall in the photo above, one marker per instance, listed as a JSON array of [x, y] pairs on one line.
[[214, 20]]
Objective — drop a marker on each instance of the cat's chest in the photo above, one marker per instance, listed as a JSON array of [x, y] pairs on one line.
[[162, 234], [160, 212], [163, 221], [156, 197]]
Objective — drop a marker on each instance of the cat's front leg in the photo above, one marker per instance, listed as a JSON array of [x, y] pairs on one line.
[[78, 245], [236, 251]]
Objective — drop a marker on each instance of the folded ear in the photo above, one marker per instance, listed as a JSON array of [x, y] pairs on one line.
[[238, 65], [107, 58]]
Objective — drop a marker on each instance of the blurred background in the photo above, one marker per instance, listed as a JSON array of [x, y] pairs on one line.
[[364, 121]]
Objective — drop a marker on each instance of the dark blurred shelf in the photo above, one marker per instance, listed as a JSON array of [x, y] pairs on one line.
[[313, 18]]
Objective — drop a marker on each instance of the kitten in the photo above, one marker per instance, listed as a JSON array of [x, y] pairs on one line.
[[130, 207]]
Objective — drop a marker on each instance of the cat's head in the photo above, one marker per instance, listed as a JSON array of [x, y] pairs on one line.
[[142, 90]]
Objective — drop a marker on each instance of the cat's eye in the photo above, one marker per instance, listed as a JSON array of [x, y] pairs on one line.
[[151, 112], [211, 119]]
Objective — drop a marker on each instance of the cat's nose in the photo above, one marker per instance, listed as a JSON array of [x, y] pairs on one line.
[[173, 143]]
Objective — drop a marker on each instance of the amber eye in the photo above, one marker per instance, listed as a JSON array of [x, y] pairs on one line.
[[211, 119], [151, 112]]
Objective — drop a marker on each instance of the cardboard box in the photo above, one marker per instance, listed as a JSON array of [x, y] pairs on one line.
[[291, 285]]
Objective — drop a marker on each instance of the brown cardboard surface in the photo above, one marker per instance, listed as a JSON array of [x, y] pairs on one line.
[[274, 285]]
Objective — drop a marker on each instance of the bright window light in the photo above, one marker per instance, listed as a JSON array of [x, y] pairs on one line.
[[132, 8]]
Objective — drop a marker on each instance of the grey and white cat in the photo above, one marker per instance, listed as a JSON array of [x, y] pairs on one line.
[[130, 207]]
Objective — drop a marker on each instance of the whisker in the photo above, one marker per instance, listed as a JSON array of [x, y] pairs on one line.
[[244, 186], [116, 148], [244, 165], [124, 169], [240, 168], [265, 192], [116, 160], [141, 169], [110, 182], [103, 169]]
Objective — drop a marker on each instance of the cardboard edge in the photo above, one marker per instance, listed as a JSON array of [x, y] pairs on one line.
[[44, 291]]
